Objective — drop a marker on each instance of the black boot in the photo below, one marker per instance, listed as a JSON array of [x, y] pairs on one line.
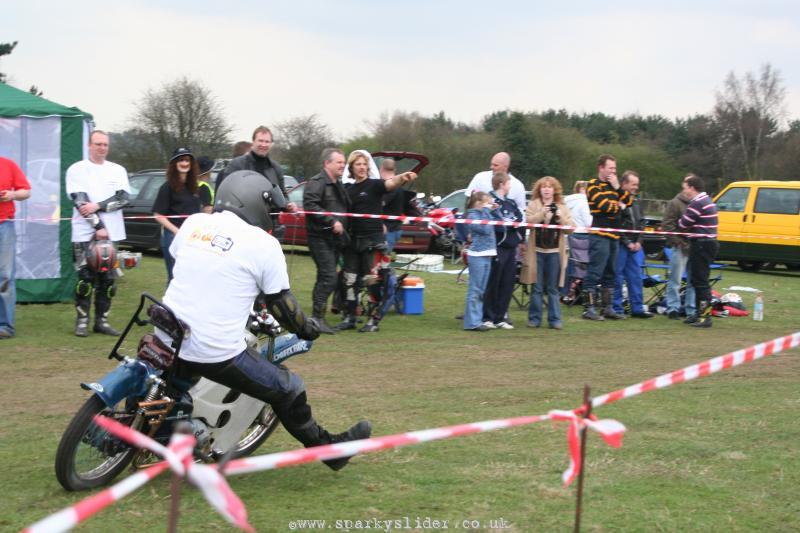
[[362, 430], [101, 325], [348, 322], [608, 307], [319, 315], [703, 315], [589, 305], [104, 291]]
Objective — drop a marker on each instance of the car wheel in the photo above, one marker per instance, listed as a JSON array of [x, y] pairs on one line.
[[751, 266]]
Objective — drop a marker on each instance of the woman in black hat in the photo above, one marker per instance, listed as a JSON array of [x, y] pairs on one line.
[[179, 197]]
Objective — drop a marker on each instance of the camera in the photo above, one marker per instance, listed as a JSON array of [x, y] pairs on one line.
[[553, 208]]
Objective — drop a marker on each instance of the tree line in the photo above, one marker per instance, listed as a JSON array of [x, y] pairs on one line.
[[745, 136]]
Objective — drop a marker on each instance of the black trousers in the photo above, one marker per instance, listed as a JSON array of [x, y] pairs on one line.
[[702, 252], [284, 390], [325, 254], [502, 278]]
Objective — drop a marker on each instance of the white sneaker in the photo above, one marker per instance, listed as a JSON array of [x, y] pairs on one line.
[[489, 324], [504, 325]]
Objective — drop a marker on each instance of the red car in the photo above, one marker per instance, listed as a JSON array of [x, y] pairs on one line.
[[416, 237]]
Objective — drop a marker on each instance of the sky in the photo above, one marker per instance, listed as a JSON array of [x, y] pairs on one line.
[[351, 61]]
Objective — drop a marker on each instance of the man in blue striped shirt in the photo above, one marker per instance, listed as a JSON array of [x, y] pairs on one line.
[[700, 219]]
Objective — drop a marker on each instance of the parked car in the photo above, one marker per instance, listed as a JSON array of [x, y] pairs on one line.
[[145, 233], [416, 237], [757, 220]]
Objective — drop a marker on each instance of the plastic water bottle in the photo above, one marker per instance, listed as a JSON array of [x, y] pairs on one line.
[[758, 308]]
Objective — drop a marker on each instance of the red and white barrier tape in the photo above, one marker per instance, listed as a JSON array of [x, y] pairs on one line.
[[706, 368], [219, 494], [452, 219]]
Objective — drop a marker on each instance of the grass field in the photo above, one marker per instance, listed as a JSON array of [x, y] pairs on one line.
[[716, 454]]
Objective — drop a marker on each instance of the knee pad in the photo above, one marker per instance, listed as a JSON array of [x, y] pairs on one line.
[[350, 279], [83, 289]]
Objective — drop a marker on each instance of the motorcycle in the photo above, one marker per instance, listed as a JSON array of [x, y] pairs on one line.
[[443, 233], [147, 393]]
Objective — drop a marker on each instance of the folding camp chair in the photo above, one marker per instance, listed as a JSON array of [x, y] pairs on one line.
[[656, 275]]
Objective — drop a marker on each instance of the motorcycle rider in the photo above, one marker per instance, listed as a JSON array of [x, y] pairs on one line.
[[223, 261]]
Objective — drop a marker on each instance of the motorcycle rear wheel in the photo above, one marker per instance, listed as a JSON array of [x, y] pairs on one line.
[[80, 465], [259, 431]]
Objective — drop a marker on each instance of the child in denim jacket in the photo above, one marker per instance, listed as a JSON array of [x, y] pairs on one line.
[[480, 255]]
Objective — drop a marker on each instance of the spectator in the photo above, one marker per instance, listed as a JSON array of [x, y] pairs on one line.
[[483, 180], [678, 258], [13, 187], [701, 220], [205, 165], [367, 244], [179, 197], [630, 256], [258, 159], [241, 148], [327, 235], [99, 189], [503, 275], [480, 256], [579, 209], [546, 254], [606, 200]]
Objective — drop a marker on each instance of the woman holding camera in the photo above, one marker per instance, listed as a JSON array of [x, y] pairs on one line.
[[546, 255]]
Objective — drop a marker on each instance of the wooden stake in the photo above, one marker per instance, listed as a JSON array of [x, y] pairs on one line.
[[175, 501], [587, 410]]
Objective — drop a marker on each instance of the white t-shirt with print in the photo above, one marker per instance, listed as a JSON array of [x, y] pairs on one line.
[[100, 182], [221, 264]]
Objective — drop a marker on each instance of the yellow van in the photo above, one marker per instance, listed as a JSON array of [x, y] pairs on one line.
[[759, 222]]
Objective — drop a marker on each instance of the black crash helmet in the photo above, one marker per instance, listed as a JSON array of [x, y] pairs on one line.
[[251, 196]]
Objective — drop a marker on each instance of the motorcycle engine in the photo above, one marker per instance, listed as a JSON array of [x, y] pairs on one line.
[[201, 433]]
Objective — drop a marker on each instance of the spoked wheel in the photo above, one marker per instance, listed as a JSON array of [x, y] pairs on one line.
[[87, 456], [255, 435]]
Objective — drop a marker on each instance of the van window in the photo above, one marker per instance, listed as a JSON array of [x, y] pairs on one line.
[[778, 201], [733, 200]]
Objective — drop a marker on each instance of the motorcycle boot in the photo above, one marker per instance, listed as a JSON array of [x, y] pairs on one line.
[[608, 308], [349, 318], [361, 430], [319, 315], [703, 316], [589, 297], [102, 306], [82, 321]]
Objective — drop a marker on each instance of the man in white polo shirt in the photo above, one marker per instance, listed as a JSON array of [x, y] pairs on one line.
[[99, 189], [222, 262]]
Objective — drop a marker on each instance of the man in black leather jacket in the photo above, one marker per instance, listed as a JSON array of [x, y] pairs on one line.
[[327, 235], [258, 159], [630, 256]]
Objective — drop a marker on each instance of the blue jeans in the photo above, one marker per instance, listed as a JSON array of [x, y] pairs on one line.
[[8, 288], [677, 267], [548, 270], [391, 239], [629, 270], [602, 262], [166, 240], [479, 269]]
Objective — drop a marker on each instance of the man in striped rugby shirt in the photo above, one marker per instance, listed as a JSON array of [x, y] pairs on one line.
[[606, 200], [700, 219]]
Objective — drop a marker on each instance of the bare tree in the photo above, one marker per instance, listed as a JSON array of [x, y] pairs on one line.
[[183, 113], [748, 110], [299, 142]]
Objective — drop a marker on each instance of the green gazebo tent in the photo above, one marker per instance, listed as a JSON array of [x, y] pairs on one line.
[[44, 138]]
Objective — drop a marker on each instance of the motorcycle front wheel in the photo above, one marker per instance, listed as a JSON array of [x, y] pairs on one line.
[[87, 456], [259, 431]]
